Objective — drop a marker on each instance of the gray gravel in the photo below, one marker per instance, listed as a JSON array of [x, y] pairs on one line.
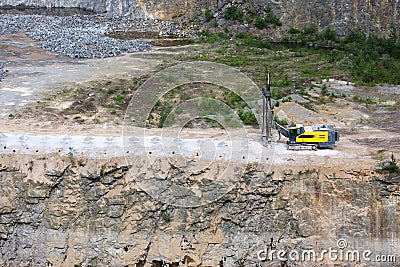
[[83, 36]]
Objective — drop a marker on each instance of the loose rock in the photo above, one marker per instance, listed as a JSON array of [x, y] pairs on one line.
[[84, 36]]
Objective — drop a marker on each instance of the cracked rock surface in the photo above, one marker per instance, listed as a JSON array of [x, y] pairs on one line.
[[66, 212]]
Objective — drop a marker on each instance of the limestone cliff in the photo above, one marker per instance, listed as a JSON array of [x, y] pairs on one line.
[[62, 211], [377, 17]]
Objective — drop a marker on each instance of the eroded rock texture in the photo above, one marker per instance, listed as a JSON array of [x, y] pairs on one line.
[[91, 212], [378, 17]]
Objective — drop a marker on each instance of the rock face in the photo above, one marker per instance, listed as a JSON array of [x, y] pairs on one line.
[[377, 17], [95, 5], [79, 212], [138, 8]]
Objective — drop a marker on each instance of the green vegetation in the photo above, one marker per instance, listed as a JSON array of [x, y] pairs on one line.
[[370, 60], [324, 90], [118, 99], [309, 106], [252, 11], [281, 122], [263, 20], [249, 40], [252, 52], [70, 156], [311, 29], [166, 217], [30, 165], [271, 18], [294, 31], [234, 13], [367, 100], [215, 23], [208, 15], [391, 165], [287, 99], [247, 117], [261, 23], [70, 152], [211, 106], [375, 60], [233, 100], [103, 170], [211, 110], [163, 108], [303, 57]]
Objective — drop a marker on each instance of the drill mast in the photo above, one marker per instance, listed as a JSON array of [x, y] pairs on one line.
[[267, 120]]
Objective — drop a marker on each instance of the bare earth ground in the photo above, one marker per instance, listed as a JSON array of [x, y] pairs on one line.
[[35, 99]]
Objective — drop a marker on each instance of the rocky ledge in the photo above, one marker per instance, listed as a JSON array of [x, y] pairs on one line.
[[67, 211]]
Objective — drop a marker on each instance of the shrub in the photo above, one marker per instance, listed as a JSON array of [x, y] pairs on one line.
[[260, 23], [311, 29], [276, 94], [233, 100], [215, 24], [208, 15], [241, 35], [164, 110], [252, 11], [287, 99], [280, 122], [234, 13], [329, 34], [247, 117], [391, 166], [118, 99], [273, 19], [253, 40], [324, 89], [309, 106], [294, 31]]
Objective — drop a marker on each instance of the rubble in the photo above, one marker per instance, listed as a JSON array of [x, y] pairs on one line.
[[84, 36]]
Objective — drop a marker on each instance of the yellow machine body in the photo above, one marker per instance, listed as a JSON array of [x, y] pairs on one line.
[[312, 137], [316, 136]]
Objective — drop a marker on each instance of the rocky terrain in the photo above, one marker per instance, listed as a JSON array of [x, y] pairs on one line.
[[84, 36], [77, 211], [84, 184], [370, 16]]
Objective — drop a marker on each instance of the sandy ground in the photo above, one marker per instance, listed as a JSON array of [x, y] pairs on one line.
[[34, 73]]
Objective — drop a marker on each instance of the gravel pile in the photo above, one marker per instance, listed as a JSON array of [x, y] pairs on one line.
[[81, 36]]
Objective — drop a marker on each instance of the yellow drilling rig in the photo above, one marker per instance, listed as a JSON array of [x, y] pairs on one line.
[[299, 137]]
